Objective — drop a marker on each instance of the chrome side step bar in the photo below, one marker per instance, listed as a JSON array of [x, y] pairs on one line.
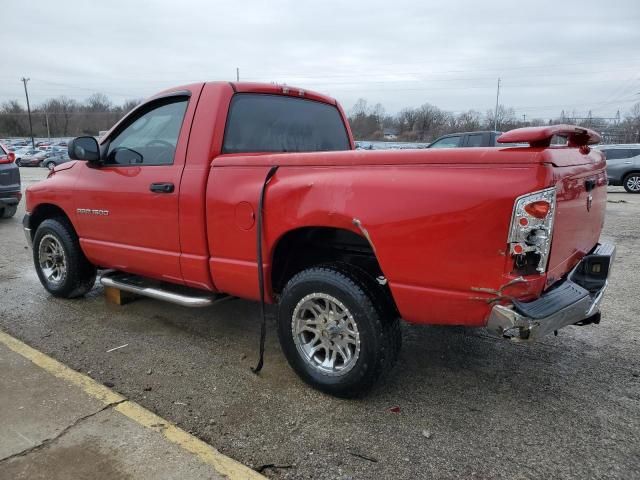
[[157, 290]]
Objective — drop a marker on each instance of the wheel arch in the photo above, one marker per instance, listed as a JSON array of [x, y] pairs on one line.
[[43, 212], [310, 246]]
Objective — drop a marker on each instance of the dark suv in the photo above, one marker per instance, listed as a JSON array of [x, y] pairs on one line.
[[623, 166], [467, 139], [10, 193]]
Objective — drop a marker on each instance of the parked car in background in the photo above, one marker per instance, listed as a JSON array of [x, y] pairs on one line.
[[33, 158], [24, 151], [10, 192], [467, 139], [623, 165], [55, 160]]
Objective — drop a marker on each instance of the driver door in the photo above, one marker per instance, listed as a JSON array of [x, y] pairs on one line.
[[127, 209]]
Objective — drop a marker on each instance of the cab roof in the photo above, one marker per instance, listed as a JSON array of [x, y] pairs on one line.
[[279, 89]]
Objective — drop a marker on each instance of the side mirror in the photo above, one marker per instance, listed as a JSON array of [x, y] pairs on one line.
[[84, 148]]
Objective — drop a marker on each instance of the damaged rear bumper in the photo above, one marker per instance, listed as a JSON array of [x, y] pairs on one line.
[[575, 300]]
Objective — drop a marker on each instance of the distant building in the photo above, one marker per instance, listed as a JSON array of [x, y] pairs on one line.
[[390, 134]]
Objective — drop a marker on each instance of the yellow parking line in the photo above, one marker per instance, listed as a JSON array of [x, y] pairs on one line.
[[205, 452]]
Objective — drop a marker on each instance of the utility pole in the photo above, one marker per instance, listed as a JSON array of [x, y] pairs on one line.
[[237, 74], [495, 117], [46, 117], [26, 93], [524, 118]]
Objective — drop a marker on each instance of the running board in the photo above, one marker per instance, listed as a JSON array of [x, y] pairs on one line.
[[158, 290]]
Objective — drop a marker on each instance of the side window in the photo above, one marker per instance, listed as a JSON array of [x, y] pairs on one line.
[[474, 140], [447, 142], [151, 138]]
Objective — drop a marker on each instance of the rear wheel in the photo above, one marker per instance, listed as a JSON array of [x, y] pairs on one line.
[[631, 182], [334, 333], [50, 165], [63, 269], [18, 162], [8, 212]]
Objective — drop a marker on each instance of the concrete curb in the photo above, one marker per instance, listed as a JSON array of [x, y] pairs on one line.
[[206, 453]]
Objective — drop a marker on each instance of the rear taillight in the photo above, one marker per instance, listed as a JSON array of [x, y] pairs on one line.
[[8, 158], [531, 231]]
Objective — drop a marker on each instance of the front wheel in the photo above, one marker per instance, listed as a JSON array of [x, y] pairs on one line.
[[50, 165], [62, 268], [333, 334], [631, 183], [18, 162]]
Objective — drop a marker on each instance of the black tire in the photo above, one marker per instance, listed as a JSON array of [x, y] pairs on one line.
[[18, 162], [379, 330], [8, 211], [79, 274], [50, 165], [631, 182]]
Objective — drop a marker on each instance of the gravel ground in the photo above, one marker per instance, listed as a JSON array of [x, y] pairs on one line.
[[469, 405]]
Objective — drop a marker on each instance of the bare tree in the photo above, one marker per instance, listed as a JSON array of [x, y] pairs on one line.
[[506, 119], [60, 111], [469, 121], [98, 102], [13, 119]]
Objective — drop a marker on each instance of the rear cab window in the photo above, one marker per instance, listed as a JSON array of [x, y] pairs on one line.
[[276, 123]]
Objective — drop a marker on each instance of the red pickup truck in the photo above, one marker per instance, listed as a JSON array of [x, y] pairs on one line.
[[256, 191]]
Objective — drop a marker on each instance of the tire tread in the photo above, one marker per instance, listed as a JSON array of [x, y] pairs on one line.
[[386, 327], [81, 274]]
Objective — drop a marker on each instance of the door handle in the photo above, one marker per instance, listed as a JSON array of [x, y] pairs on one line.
[[589, 185], [162, 187]]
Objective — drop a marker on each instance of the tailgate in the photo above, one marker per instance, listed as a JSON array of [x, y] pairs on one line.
[[580, 179], [581, 184]]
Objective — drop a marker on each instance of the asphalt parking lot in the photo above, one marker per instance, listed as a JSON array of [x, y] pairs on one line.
[[469, 405]]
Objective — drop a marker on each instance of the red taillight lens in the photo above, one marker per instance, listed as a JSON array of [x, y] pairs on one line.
[[8, 158], [539, 209]]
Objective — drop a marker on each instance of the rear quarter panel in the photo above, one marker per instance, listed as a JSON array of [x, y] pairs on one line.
[[439, 231]]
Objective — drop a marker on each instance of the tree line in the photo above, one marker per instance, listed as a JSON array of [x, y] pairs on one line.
[[62, 116], [66, 117], [427, 122]]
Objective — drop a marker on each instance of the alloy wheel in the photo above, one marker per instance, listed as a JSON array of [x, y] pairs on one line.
[[325, 334], [633, 183], [52, 259]]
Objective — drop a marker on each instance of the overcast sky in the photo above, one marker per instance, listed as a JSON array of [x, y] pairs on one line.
[[551, 55]]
